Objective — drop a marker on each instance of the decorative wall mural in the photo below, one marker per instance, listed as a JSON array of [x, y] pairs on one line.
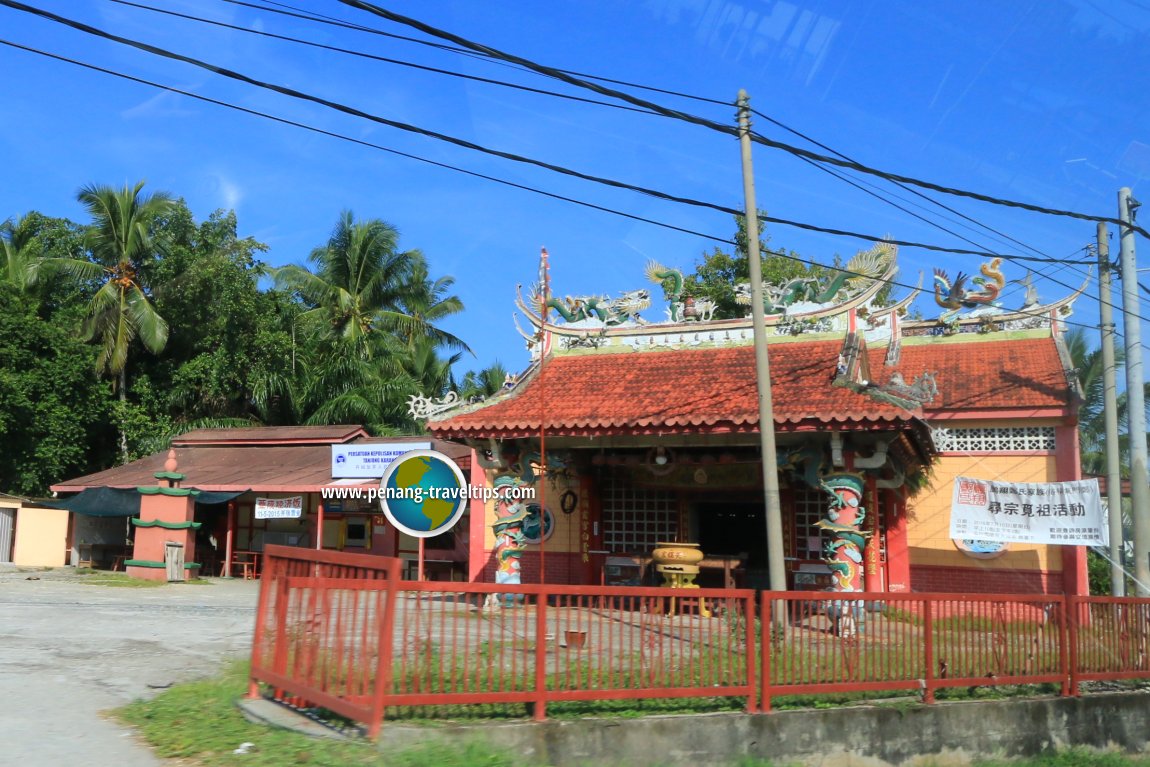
[[537, 527]]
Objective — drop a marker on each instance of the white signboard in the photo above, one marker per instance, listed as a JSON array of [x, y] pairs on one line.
[[1068, 513], [279, 508], [368, 460]]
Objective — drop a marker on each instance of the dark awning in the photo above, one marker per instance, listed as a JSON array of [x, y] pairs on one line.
[[206, 498], [101, 502], [120, 502]]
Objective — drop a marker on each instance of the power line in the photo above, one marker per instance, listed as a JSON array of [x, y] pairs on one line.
[[354, 112], [231, 74], [823, 168], [729, 130], [361, 142], [384, 59], [646, 111], [300, 13], [929, 199]]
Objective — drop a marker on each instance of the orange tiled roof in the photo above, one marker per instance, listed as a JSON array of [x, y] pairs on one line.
[[713, 390], [1007, 374]]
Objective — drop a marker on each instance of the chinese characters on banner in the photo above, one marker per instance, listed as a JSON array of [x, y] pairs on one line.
[[1068, 513], [279, 508]]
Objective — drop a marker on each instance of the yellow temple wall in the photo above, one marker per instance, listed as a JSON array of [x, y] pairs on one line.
[[928, 530]]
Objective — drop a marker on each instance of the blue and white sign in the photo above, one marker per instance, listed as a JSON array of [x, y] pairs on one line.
[[364, 460]]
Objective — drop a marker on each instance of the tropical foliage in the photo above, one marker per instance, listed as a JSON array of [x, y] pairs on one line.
[[141, 322]]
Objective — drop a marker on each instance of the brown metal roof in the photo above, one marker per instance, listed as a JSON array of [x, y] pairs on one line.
[[272, 435], [291, 468]]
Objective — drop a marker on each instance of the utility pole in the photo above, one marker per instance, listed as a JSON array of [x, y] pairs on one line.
[[774, 515], [1135, 399], [1110, 414]]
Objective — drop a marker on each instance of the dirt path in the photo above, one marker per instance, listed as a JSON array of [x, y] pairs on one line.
[[69, 651]]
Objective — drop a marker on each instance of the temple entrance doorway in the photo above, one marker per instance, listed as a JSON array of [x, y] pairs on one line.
[[735, 529]]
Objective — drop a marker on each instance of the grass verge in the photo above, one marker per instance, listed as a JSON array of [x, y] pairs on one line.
[[199, 723], [119, 580]]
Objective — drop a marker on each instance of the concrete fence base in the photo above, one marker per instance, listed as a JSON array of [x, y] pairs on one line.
[[941, 734]]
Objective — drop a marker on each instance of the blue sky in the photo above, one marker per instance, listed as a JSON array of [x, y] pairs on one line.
[[1045, 102]]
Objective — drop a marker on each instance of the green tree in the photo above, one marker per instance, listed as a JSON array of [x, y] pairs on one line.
[[1086, 364], [427, 302], [53, 410], [357, 280], [481, 384], [368, 326], [41, 256], [120, 240], [716, 276]]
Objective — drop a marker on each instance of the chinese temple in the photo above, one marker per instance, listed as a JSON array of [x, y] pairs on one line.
[[637, 432]]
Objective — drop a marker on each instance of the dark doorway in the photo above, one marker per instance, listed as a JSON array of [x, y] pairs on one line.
[[729, 529], [734, 529]]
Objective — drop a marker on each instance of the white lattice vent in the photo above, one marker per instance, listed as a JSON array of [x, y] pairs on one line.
[[993, 439]]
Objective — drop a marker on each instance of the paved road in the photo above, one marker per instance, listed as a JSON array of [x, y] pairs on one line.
[[69, 651]]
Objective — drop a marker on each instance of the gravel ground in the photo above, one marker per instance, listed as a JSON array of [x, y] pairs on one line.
[[69, 651]]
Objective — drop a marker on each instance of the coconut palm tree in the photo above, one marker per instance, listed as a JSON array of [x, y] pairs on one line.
[[427, 301], [1088, 368], [25, 264], [484, 383], [356, 284], [21, 254], [121, 240]]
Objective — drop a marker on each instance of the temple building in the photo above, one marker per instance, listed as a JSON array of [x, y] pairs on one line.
[[635, 433]]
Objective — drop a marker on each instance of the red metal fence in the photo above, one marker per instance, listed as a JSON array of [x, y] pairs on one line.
[[343, 633], [322, 630]]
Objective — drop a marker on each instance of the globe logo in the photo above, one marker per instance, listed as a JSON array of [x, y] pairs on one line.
[[423, 493]]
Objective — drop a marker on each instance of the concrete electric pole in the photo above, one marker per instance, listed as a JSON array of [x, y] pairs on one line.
[[774, 515], [1110, 416], [1135, 399]]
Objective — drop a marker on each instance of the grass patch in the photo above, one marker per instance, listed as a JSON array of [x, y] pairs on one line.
[[120, 580], [1072, 757], [199, 723], [199, 582]]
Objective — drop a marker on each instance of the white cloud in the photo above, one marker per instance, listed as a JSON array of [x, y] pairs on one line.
[[163, 104], [227, 192]]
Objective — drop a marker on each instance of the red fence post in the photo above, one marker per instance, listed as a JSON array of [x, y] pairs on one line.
[[928, 651], [749, 640], [541, 655], [270, 576], [386, 651], [1070, 633], [765, 652]]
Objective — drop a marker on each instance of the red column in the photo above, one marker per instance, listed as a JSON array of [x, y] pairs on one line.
[[897, 550], [319, 526], [477, 526], [230, 540], [1068, 467], [871, 557]]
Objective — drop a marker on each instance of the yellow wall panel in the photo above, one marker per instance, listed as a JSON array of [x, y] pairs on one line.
[[928, 529]]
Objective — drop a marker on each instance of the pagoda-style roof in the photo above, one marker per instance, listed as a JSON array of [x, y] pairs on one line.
[[711, 390]]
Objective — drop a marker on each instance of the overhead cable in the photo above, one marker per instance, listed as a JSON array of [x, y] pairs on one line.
[[361, 142], [164, 53], [720, 127], [368, 144], [300, 13], [384, 59]]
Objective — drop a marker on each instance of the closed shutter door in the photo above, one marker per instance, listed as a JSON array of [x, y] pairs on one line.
[[7, 530]]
